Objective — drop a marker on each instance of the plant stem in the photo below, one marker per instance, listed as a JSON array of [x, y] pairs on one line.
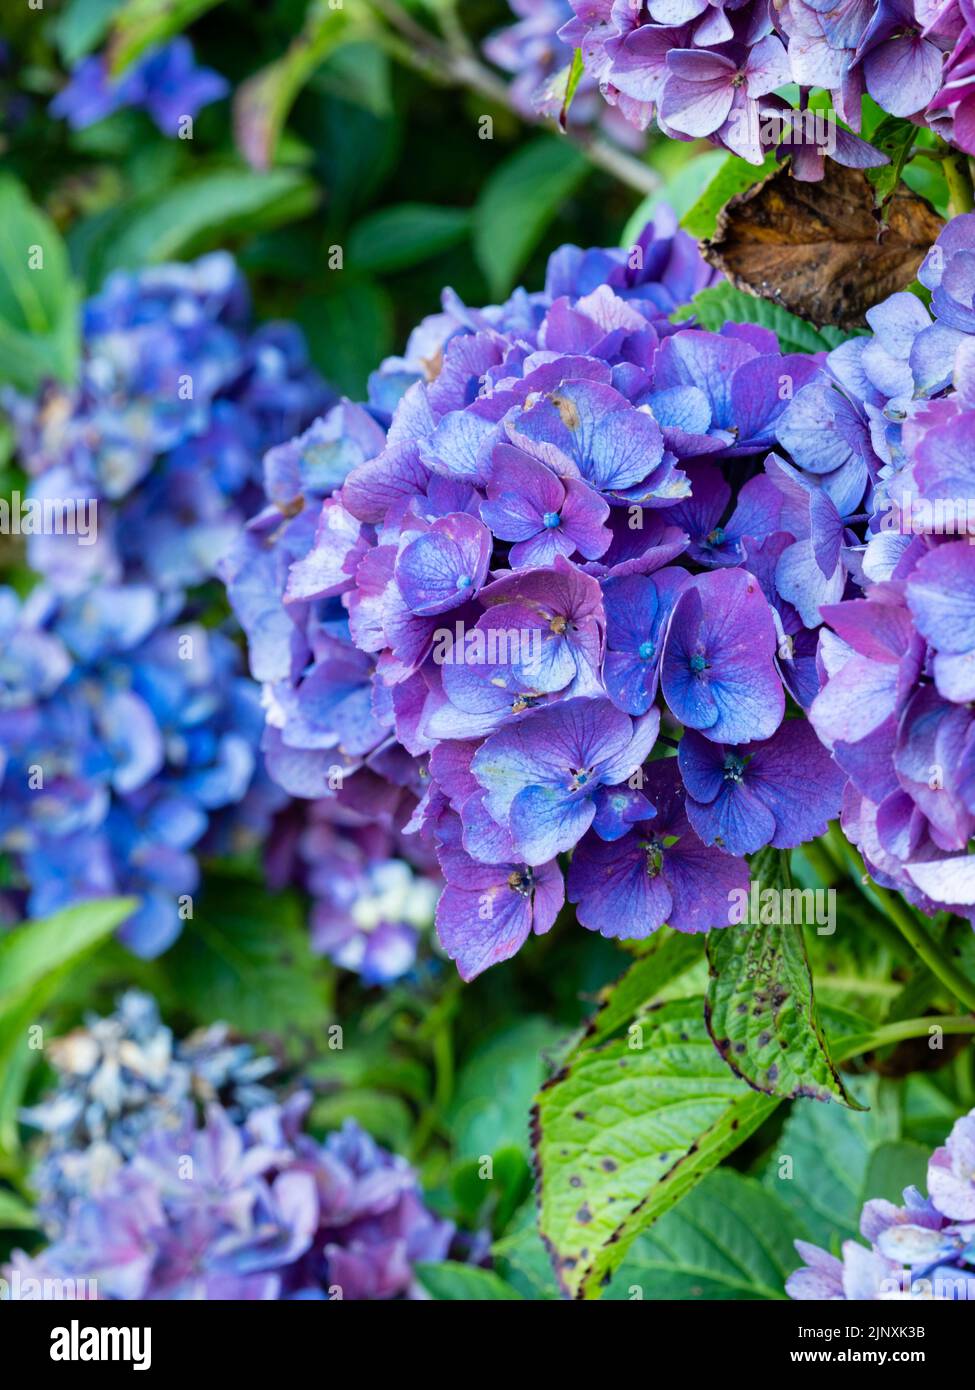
[[958, 174], [900, 1031], [456, 64], [909, 926]]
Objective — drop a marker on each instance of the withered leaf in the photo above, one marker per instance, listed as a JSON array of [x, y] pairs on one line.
[[820, 249]]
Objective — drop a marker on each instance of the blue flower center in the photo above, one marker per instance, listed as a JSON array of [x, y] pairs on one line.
[[580, 778], [717, 536], [646, 650], [464, 581], [551, 519], [698, 663]]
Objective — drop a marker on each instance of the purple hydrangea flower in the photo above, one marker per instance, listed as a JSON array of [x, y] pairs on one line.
[[521, 564], [923, 1249], [248, 1210], [165, 82]]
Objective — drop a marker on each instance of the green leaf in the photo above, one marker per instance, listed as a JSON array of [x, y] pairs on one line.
[[894, 1166], [262, 103], [246, 960], [724, 304], [760, 1008], [386, 1117], [32, 952], [668, 955], [895, 138], [349, 331], [821, 1163], [81, 26], [451, 1281], [729, 1239], [679, 192], [485, 1117], [734, 176], [625, 1130], [574, 76], [404, 235], [15, 1213], [39, 301], [195, 214], [142, 23], [517, 203]]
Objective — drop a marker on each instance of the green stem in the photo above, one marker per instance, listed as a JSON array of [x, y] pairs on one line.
[[958, 174], [456, 64], [897, 912], [900, 1031]]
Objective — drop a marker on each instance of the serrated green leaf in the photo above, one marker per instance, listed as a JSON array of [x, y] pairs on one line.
[[451, 1281], [821, 1162], [39, 301], [721, 304], [895, 138], [623, 1132], [760, 1008], [485, 1117], [668, 955], [262, 103], [245, 959], [517, 203], [406, 234], [141, 24], [729, 1239], [734, 176]]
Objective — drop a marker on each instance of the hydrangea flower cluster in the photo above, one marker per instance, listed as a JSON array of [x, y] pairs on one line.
[[715, 70], [924, 1249], [128, 728], [165, 82], [897, 659], [532, 52], [120, 1077], [555, 527], [239, 1202], [370, 908]]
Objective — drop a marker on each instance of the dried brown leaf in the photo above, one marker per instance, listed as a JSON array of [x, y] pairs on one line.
[[820, 249]]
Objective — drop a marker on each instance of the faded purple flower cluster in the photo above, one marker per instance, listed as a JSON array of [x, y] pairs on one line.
[[165, 82], [128, 729], [120, 1077], [718, 70], [370, 908], [555, 528], [239, 1203], [924, 1249], [531, 50], [898, 661]]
